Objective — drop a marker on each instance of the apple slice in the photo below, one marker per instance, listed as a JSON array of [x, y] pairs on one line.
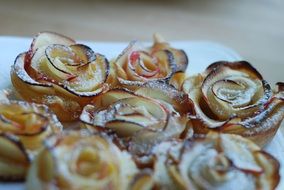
[[25, 83], [61, 59], [143, 180], [124, 56], [21, 123], [18, 70], [85, 53], [139, 110], [44, 39], [144, 140], [166, 63], [152, 106], [163, 92], [14, 160], [114, 95], [143, 64], [181, 60], [30, 122], [124, 128], [90, 76], [177, 80], [81, 160], [179, 55]]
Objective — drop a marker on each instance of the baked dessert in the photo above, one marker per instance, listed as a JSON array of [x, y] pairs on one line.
[[213, 162], [136, 65], [232, 97], [140, 120], [23, 127], [147, 125], [80, 160], [60, 73]]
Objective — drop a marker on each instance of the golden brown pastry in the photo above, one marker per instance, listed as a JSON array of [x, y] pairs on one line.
[[59, 73], [140, 120], [167, 94], [232, 97], [14, 159], [216, 162], [136, 65], [143, 181], [23, 127], [80, 160]]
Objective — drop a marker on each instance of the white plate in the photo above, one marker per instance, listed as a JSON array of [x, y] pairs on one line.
[[200, 54]]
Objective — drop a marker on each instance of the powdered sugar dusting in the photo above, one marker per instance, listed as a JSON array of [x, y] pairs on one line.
[[20, 71]]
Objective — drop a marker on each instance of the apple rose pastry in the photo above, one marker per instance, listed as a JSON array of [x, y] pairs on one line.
[[136, 65], [59, 73], [140, 121], [232, 97], [218, 161], [23, 127], [80, 160]]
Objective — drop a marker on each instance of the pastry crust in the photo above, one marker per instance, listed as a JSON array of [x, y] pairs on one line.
[[81, 160], [23, 128], [141, 118], [60, 73], [136, 65], [218, 161], [232, 97]]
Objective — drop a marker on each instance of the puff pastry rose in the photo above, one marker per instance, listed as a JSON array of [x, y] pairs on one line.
[[141, 121], [60, 73], [218, 161], [232, 97], [80, 160], [23, 127], [136, 65]]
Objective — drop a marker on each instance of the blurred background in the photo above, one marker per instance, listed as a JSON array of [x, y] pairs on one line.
[[254, 28]]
